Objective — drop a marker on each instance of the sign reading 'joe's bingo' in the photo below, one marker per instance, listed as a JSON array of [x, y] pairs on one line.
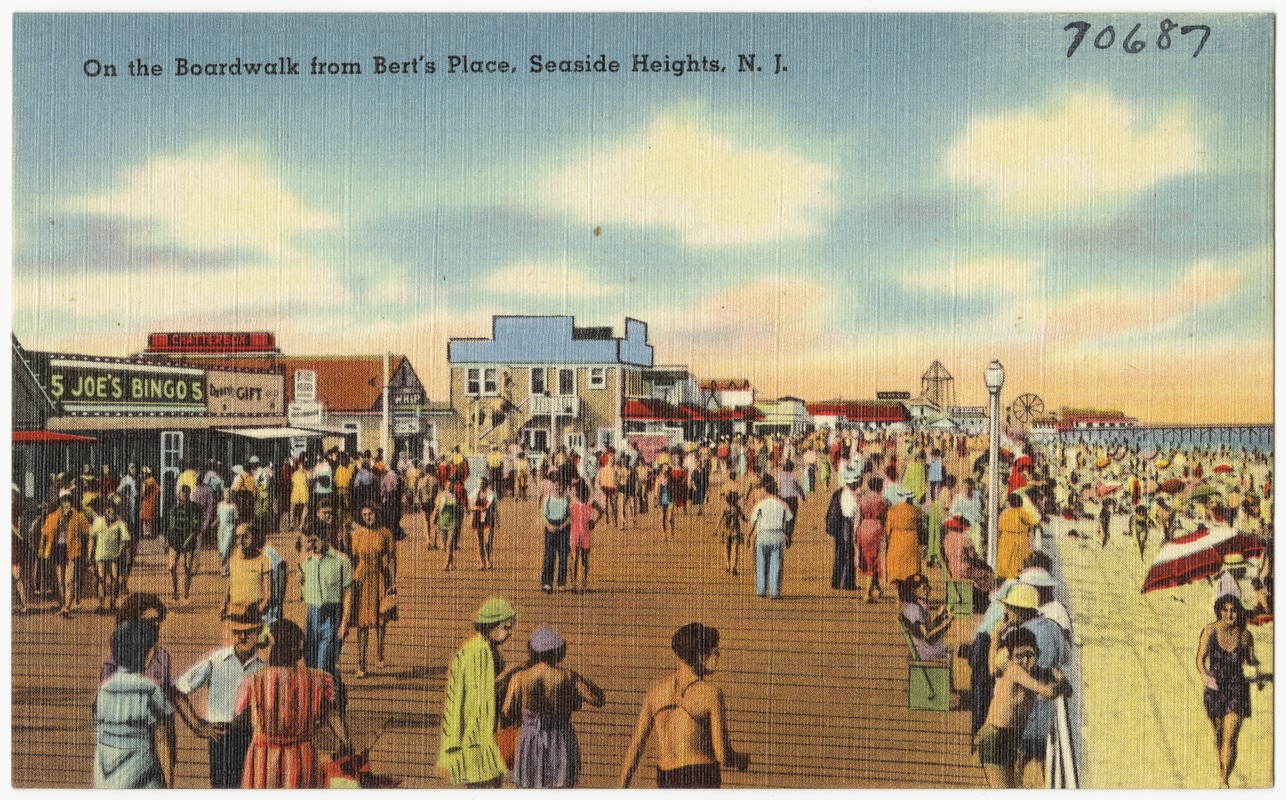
[[105, 386], [90, 386]]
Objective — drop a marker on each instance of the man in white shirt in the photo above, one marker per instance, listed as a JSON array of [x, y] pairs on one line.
[[1234, 569], [769, 538], [221, 672]]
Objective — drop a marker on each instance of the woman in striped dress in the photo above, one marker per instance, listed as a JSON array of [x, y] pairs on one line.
[[287, 702]]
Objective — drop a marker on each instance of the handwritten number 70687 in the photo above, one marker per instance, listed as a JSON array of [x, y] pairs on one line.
[[1133, 43]]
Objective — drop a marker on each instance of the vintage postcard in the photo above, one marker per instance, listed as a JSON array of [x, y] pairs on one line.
[[756, 400]]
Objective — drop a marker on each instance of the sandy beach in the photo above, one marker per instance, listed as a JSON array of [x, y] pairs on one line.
[[1143, 723]]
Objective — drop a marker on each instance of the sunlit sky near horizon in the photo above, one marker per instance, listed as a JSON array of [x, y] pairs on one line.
[[910, 188]]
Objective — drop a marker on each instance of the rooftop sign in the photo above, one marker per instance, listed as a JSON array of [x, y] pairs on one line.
[[207, 342]]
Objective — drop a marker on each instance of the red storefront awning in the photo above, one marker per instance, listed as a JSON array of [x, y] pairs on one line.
[[652, 410], [48, 437]]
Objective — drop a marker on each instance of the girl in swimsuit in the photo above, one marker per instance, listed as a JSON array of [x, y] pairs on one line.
[[1225, 646]]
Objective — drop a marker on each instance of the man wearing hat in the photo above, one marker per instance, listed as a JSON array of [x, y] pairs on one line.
[[841, 517], [467, 750], [980, 648], [1052, 652], [1018, 683], [220, 673], [1234, 569]]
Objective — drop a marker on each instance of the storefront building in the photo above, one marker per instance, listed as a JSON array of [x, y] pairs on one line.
[[83, 410]]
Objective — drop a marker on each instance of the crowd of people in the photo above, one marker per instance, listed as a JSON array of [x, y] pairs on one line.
[[897, 506]]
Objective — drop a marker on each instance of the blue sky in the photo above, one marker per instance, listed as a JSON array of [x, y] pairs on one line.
[[911, 188]]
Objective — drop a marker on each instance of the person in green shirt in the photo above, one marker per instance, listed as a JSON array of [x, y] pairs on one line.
[[182, 538], [467, 750], [326, 586]]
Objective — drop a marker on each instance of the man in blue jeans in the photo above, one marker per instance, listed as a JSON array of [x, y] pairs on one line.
[[770, 537], [326, 583], [556, 513]]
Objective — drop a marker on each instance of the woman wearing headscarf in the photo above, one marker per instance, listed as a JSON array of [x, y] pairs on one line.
[[467, 750], [131, 748], [547, 755]]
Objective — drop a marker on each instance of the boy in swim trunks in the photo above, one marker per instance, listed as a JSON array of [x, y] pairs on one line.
[[1011, 702], [689, 715]]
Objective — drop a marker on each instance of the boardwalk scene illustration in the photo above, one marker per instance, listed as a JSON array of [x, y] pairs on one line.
[[839, 401]]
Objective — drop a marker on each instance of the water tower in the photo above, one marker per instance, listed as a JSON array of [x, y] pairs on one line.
[[938, 387]]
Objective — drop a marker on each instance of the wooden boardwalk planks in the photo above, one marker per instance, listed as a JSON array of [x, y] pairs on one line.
[[816, 681]]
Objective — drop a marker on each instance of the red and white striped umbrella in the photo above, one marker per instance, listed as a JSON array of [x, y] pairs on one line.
[[1197, 555]]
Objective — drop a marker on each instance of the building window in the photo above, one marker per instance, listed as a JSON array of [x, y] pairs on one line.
[[567, 381], [538, 380], [479, 381], [598, 377]]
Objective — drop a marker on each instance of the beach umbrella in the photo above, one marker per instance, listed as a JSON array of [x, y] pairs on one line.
[[1104, 489], [1172, 486], [1163, 463], [1149, 454], [1197, 555], [1225, 469], [1102, 462], [1204, 491]]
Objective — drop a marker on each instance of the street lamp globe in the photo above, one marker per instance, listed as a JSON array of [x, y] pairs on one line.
[[994, 377]]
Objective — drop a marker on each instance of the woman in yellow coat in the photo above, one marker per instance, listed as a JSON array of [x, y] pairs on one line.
[[903, 522], [467, 749], [1013, 544]]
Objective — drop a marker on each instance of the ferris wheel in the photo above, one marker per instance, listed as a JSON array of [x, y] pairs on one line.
[[1027, 407]]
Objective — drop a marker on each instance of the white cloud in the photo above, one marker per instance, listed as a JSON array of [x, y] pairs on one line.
[[221, 200], [1087, 150], [975, 276], [712, 189], [543, 279], [162, 293], [1104, 310]]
